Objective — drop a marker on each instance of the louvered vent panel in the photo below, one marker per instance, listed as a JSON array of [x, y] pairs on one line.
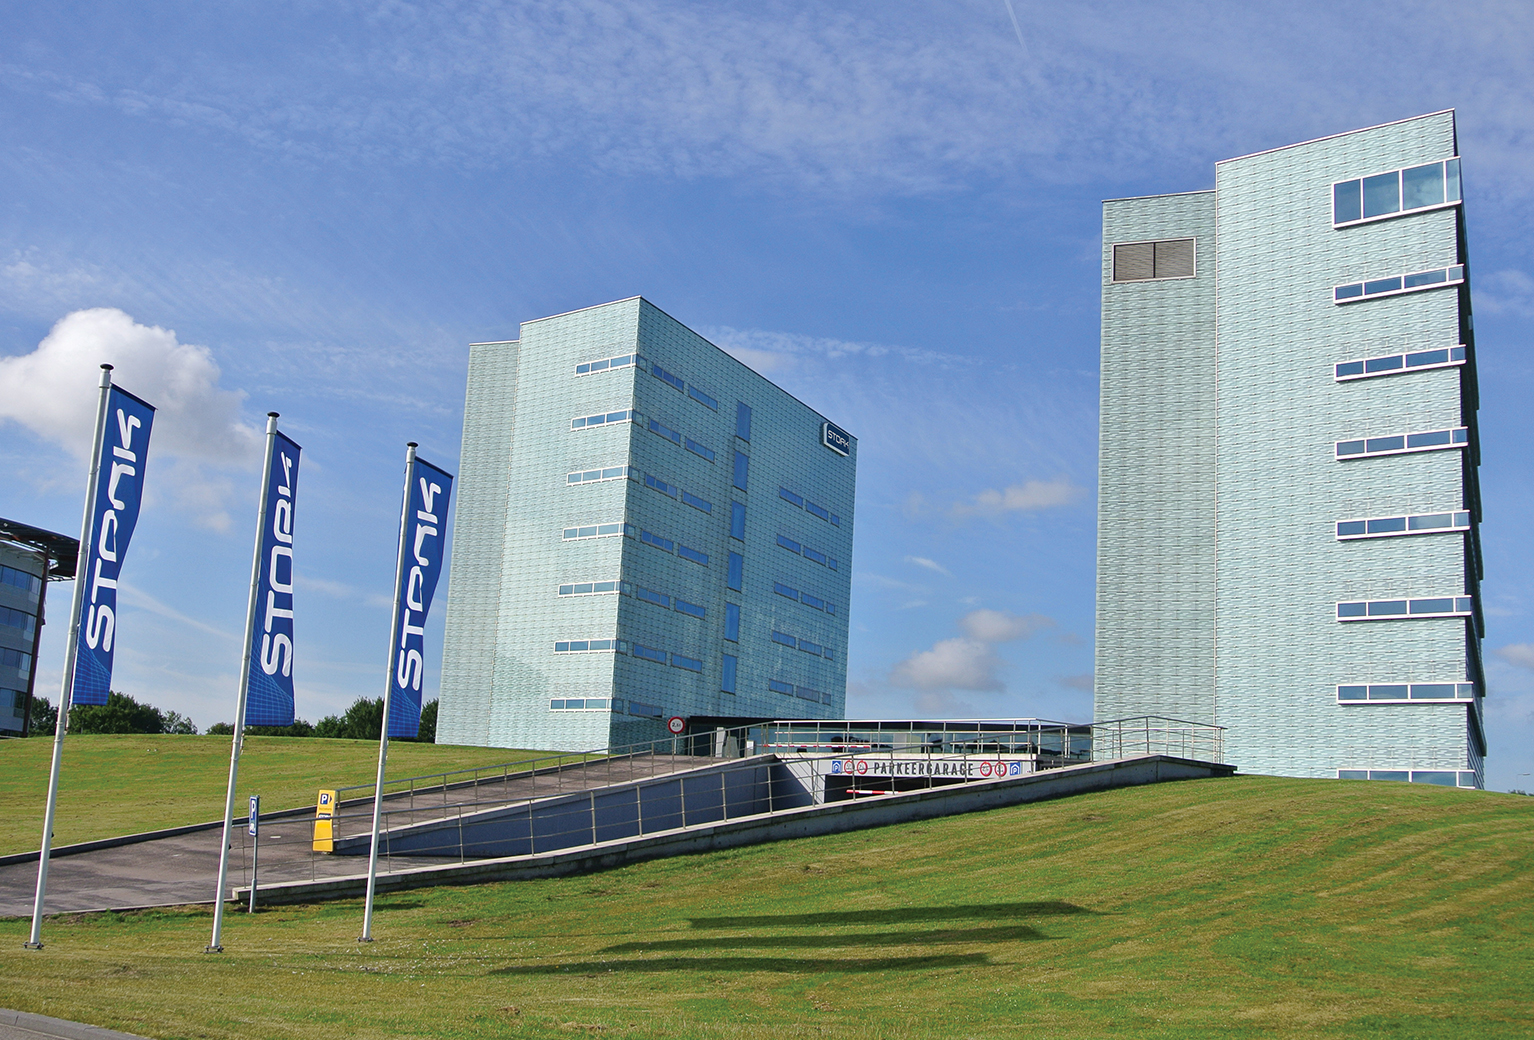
[[1174, 258], [1134, 262]]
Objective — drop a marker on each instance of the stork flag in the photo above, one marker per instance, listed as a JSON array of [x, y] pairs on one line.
[[429, 490], [114, 514], [271, 637]]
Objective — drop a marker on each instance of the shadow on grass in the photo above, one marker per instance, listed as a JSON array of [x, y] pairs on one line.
[[898, 915], [790, 965], [1005, 933]]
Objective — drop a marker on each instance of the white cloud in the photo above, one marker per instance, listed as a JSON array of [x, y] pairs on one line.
[[1508, 291], [931, 565], [53, 392], [1020, 498], [969, 662], [1521, 654]]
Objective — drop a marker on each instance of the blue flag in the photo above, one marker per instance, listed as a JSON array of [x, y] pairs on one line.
[[270, 700], [114, 514], [429, 490]]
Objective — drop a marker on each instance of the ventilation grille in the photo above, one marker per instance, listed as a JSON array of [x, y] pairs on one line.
[[1145, 261]]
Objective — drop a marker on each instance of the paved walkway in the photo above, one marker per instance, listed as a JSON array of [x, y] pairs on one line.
[[183, 868], [18, 1025]]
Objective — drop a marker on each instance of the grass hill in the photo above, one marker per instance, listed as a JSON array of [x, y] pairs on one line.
[[1243, 908], [125, 783]]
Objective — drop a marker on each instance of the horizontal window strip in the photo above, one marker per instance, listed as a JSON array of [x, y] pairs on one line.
[[1395, 526], [1396, 284], [669, 602], [1399, 609], [19, 579], [594, 588], [1404, 693], [1394, 364], [812, 601], [591, 422], [586, 704], [590, 476], [675, 660], [800, 549], [1396, 192], [1403, 443], [589, 646], [809, 507], [591, 368], [1440, 777], [809, 647], [598, 531]]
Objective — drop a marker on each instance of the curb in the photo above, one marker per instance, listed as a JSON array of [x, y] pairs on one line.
[[58, 1027]]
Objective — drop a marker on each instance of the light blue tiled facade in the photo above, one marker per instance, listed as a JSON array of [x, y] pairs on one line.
[[653, 513], [1221, 570]]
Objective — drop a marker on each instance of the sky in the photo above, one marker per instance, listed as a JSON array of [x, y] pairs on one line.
[[892, 209]]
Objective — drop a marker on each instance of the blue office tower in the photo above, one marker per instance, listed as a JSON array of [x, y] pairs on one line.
[[646, 529], [1288, 523]]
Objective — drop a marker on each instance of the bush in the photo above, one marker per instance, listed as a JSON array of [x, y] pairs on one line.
[[44, 718], [364, 719], [122, 714]]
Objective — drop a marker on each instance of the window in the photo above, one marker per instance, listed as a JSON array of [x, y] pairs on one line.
[[1397, 609], [587, 422], [692, 554], [806, 598], [19, 579], [665, 431], [698, 449], [742, 465], [789, 544], [25, 623], [586, 646], [591, 588], [1402, 693], [785, 639], [1392, 526], [656, 540], [698, 503], [732, 622], [651, 596], [691, 664], [669, 490], [1150, 261], [646, 711], [1442, 777], [778, 686], [816, 555], [650, 653], [667, 377], [683, 607], [1396, 284], [805, 645], [1390, 364], [738, 521], [1404, 443], [584, 704], [16, 659], [727, 673], [702, 398], [737, 571], [607, 365], [599, 531], [812, 601], [1399, 191], [591, 475], [811, 648], [813, 555], [784, 590], [808, 694], [743, 421], [788, 496]]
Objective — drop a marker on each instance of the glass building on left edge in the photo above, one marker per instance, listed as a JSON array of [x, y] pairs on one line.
[[646, 529], [30, 557]]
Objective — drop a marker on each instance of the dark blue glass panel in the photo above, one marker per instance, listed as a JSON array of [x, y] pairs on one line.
[[1382, 194], [788, 496], [1350, 368], [1399, 775], [692, 554], [1384, 364], [1428, 439], [1350, 447], [743, 420], [1382, 285], [727, 674], [736, 571], [785, 639], [784, 590], [1431, 521], [1427, 357], [1348, 292], [1351, 527], [738, 520], [1387, 607], [692, 609], [1427, 606], [1347, 202], [732, 622], [1387, 525], [1395, 443], [1451, 180], [1421, 278], [1422, 186], [1388, 692], [789, 544], [1352, 774], [1352, 693], [1434, 776], [704, 399], [742, 469], [1432, 691]]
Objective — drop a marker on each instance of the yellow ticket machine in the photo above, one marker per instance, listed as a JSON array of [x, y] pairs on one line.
[[324, 811]]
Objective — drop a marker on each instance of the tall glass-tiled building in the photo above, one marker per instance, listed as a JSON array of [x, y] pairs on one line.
[[646, 528], [1287, 533]]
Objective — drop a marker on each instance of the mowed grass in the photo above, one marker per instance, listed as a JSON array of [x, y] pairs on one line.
[[122, 784], [1246, 907]]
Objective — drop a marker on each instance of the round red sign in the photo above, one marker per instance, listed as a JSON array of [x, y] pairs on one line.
[[676, 724]]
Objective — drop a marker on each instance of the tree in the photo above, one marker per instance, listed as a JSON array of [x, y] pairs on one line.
[[362, 721], [428, 733], [44, 720], [120, 714], [178, 724]]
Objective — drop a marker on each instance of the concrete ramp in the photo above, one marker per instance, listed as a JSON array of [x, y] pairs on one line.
[[724, 806]]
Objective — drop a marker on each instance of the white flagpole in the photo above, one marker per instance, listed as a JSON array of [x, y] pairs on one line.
[[67, 688], [383, 735], [251, 609]]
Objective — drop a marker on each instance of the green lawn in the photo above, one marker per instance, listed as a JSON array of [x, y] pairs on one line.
[[1249, 907], [112, 785]]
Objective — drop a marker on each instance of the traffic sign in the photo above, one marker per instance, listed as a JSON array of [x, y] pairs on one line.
[[255, 814], [676, 724]]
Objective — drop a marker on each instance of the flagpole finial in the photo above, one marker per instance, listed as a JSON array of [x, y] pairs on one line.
[[107, 367], [274, 415], [411, 444]]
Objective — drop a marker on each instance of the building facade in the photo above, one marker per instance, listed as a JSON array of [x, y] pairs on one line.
[[646, 529], [1288, 522]]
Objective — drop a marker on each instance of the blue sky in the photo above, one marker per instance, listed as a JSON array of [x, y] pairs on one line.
[[892, 209]]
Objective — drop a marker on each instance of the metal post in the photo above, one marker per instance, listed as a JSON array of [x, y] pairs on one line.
[[255, 847], [383, 731], [67, 687], [252, 607]]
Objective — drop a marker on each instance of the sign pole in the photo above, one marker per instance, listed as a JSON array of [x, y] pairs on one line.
[[251, 609], [255, 846], [66, 689], [383, 732]]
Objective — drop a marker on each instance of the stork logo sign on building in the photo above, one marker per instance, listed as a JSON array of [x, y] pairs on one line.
[[425, 523], [119, 490], [835, 438], [271, 638]]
